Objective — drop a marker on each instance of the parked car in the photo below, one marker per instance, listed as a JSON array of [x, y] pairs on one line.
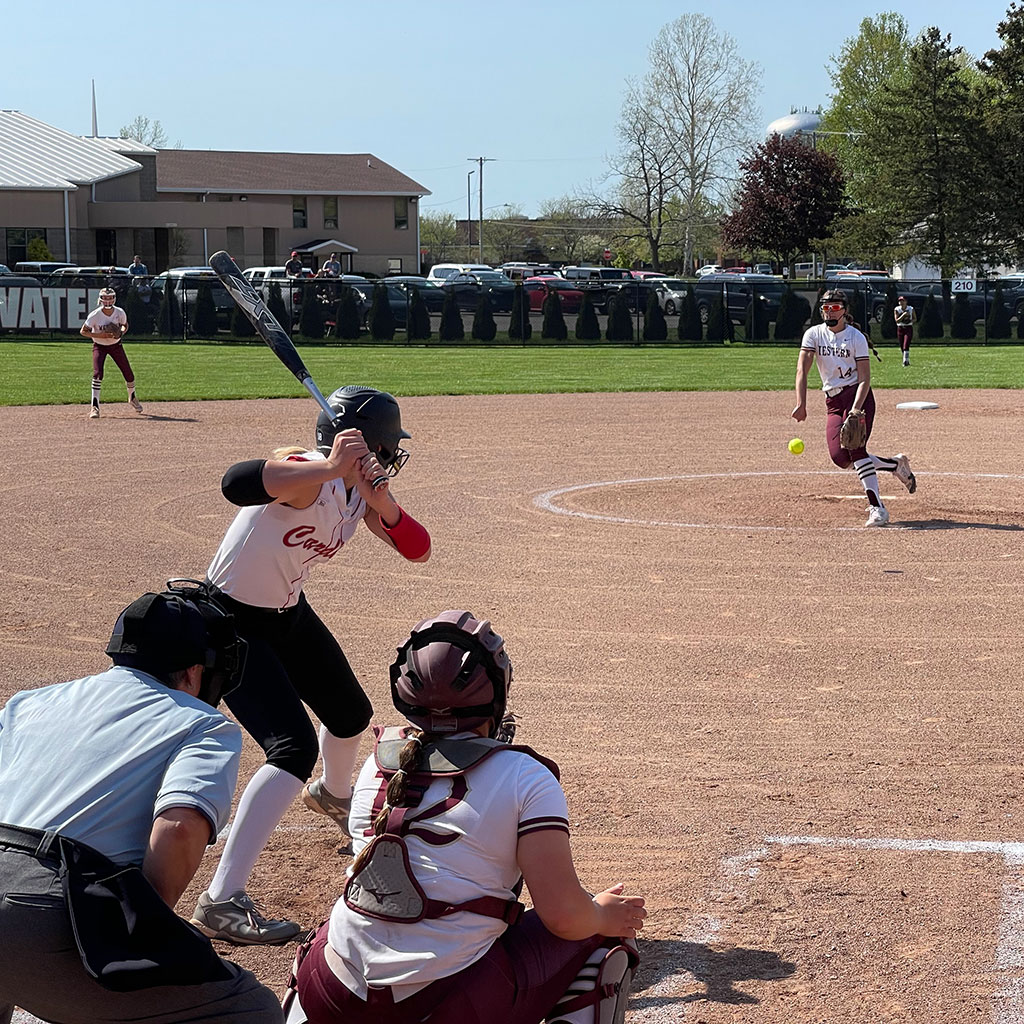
[[186, 280], [671, 291], [441, 272], [431, 293], [35, 269], [398, 299], [737, 289], [762, 268], [469, 287], [645, 275], [601, 282], [522, 271], [537, 289], [709, 268], [4, 269]]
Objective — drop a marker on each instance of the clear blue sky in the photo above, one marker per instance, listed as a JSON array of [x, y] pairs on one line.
[[536, 86]]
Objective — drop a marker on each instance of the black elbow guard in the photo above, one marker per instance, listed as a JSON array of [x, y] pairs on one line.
[[243, 484]]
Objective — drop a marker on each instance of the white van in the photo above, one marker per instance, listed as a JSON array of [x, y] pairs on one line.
[[440, 272]]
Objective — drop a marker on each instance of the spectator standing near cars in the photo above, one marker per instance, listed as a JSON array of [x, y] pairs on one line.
[[294, 268], [138, 268], [905, 316], [332, 268], [106, 326]]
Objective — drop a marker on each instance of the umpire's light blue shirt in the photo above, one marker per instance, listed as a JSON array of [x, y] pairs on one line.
[[97, 759]]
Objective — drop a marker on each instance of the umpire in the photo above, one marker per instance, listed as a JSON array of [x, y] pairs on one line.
[[111, 787]]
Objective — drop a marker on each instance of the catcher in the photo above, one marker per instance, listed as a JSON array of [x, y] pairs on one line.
[[106, 326], [841, 353]]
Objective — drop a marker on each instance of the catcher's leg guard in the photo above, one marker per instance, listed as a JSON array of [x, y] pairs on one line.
[[599, 993]]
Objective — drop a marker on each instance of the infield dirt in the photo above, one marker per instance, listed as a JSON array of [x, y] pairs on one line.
[[737, 680]]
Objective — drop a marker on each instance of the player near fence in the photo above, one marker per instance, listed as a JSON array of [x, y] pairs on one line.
[[904, 316], [299, 508], [448, 819], [106, 325], [840, 351]]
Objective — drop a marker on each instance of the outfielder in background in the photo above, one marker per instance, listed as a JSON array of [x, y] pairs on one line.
[[840, 351], [905, 316], [106, 325], [435, 931], [298, 508]]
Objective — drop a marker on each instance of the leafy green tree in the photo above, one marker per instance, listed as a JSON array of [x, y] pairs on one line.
[[439, 235], [866, 64], [381, 320], [655, 325], [451, 328], [484, 327], [888, 327], [38, 251], [962, 326], [719, 326], [997, 323], [756, 319], [519, 326], [794, 312], [204, 312], [790, 194], [553, 323], [346, 317], [931, 318], [620, 323], [690, 327], [930, 153], [419, 318], [169, 318], [241, 325], [588, 328], [1004, 70], [275, 303]]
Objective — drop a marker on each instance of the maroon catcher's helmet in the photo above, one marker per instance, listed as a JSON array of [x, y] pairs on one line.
[[451, 674]]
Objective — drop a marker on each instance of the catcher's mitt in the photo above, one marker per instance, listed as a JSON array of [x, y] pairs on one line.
[[853, 434]]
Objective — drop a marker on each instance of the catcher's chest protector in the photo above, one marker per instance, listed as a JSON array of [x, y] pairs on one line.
[[385, 887]]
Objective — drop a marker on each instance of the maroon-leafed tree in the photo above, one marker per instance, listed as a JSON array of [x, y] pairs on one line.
[[790, 194]]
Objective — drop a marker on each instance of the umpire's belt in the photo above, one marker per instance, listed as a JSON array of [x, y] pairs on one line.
[[41, 845]]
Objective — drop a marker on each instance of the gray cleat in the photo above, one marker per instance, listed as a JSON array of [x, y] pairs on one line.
[[238, 920]]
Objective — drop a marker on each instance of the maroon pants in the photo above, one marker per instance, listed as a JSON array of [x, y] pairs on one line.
[[837, 407], [118, 354], [517, 981], [905, 335]]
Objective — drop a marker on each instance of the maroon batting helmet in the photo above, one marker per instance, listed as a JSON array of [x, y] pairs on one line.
[[451, 674]]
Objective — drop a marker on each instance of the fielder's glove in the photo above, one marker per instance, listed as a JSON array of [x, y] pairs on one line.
[[853, 434]]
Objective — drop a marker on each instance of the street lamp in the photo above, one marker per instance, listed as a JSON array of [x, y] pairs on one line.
[[469, 220]]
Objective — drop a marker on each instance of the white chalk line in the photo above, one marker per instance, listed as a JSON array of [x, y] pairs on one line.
[[546, 501], [1007, 1001]]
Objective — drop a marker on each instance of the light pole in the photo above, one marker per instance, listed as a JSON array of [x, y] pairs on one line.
[[481, 160], [469, 220]]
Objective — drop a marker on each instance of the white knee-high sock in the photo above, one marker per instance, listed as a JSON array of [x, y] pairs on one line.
[[96, 385], [268, 795], [339, 753], [868, 479]]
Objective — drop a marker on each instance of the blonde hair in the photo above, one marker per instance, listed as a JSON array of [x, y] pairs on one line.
[[289, 449]]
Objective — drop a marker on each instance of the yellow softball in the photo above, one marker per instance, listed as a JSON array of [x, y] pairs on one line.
[[796, 446]]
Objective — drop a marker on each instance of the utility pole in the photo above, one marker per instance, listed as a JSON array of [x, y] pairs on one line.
[[469, 220], [481, 160]]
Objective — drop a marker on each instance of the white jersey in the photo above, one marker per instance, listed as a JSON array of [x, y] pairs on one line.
[[472, 854], [836, 355], [100, 322], [268, 550]]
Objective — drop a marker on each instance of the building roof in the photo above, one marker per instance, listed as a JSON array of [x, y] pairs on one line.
[[204, 170], [34, 155], [122, 145]]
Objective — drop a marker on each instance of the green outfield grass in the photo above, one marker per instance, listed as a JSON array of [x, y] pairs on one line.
[[56, 373]]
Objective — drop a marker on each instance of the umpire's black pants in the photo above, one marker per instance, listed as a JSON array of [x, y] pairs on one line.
[[41, 971]]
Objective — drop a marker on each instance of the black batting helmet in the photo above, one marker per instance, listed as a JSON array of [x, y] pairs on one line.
[[375, 414], [183, 626], [452, 674]]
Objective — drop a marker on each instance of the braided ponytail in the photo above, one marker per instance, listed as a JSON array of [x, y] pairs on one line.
[[409, 762]]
